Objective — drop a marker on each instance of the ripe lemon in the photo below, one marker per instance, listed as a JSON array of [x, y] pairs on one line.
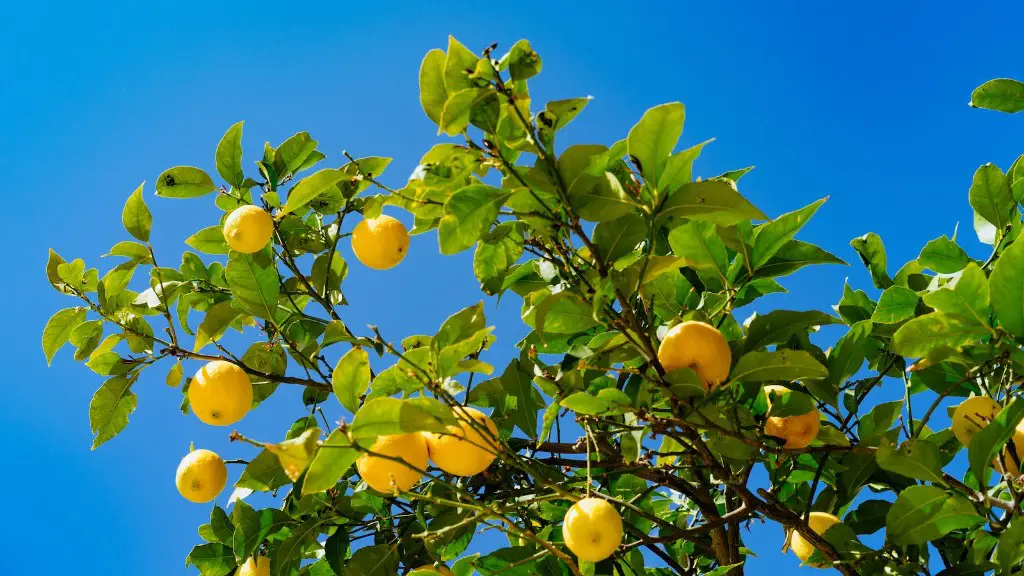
[[220, 394], [465, 450], [389, 476], [201, 476], [820, 522], [699, 346], [255, 566], [380, 242], [972, 415], [592, 529], [248, 229], [797, 431]]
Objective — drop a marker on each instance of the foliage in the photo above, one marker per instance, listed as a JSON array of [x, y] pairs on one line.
[[607, 245]]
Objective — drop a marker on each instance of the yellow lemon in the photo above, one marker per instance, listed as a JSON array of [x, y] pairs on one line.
[[465, 450], [797, 431], [592, 529], [698, 346], [201, 476], [1005, 457], [388, 476], [972, 415], [442, 569], [255, 566], [380, 242], [820, 522], [220, 394], [248, 229]]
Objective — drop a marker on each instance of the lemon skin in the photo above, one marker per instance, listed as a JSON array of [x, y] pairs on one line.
[[389, 476], [798, 431], [220, 394], [201, 476], [248, 229], [465, 450], [592, 529], [255, 566], [819, 522], [699, 346], [380, 243]]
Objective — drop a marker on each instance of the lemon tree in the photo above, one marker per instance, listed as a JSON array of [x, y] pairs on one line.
[[645, 421]]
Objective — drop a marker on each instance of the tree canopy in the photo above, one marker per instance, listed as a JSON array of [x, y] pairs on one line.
[[637, 384]]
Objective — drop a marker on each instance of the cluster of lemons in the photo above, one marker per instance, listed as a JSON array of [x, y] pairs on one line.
[[221, 392]]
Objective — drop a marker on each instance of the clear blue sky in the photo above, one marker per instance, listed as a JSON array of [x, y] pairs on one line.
[[863, 102]]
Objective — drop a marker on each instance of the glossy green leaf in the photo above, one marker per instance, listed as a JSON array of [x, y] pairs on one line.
[[943, 255], [137, 219], [714, 201], [58, 330], [564, 313], [1002, 94], [432, 91], [467, 216], [263, 473], [872, 253], [1007, 289], [679, 167], [253, 281], [209, 241], [335, 456], [616, 238], [701, 246], [918, 337], [991, 197], [109, 409], [779, 325], [310, 187], [925, 513], [184, 182], [1011, 546], [229, 156], [916, 459], [215, 323], [212, 559], [779, 365], [770, 237], [895, 305], [967, 300], [653, 138], [383, 416], [988, 442], [351, 378]]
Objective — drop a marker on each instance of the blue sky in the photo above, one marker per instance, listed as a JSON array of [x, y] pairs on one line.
[[864, 103]]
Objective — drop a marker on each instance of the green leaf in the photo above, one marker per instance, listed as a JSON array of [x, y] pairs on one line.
[[499, 561], [292, 153], [779, 365], [1007, 289], [879, 420], [770, 237], [209, 241], [136, 217], [456, 112], [212, 559], [184, 182], [1011, 545], [679, 167], [252, 527], [110, 408], [495, 254], [565, 110], [174, 375], [619, 237], [1002, 94], [53, 263], [790, 403], [512, 396], [651, 140], [872, 253], [383, 416], [351, 378], [523, 62], [991, 196], [700, 244], [1016, 177], [336, 550], [988, 442], [432, 91], [458, 61], [288, 554], [253, 281], [130, 250], [310, 187], [918, 459], [925, 513], [917, 338], [869, 517], [943, 255], [263, 473], [779, 325], [793, 256], [215, 323], [896, 305], [715, 201], [608, 402], [86, 337], [58, 330], [467, 216], [379, 560], [848, 354], [229, 156], [564, 313], [335, 456], [967, 300]]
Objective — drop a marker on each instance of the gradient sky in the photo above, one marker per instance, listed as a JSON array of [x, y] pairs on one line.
[[865, 103]]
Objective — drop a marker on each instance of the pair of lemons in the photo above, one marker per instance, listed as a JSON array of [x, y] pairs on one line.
[[702, 347], [395, 463], [379, 243]]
